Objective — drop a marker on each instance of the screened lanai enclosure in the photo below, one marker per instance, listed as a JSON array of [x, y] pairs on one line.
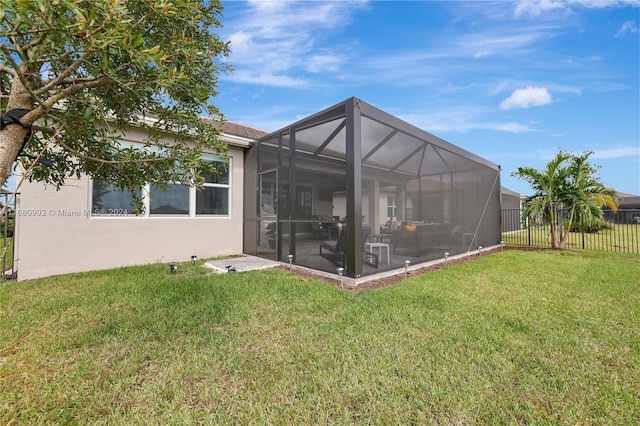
[[356, 188]]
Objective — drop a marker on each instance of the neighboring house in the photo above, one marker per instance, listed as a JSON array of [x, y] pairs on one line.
[[628, 210], [510, 203], [87, 225], [628, 201], [363, 171]]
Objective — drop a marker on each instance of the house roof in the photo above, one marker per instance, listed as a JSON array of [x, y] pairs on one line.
[[236, 133], [628, 200], [242, 130], [232, 133], [622, 195], [507, 191]]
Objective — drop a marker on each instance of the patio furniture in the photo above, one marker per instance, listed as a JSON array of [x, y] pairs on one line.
[[379, 246], [336, 251], [381, 238], [423, 238], [324, 228]]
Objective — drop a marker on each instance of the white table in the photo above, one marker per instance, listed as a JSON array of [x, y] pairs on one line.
[[379, 246]]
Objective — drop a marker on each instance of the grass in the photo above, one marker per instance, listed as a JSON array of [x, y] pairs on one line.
[[512, 338], [8, 260], [621, 238]]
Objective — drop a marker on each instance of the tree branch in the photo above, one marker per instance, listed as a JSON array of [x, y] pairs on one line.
[[20, 75], [75, 81], [6, 69], [114, 162], [18, 33], [37, 40], [43, 129], [66, 92], [62, 77]]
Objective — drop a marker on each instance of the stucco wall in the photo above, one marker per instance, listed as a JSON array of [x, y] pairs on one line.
[[55, 235]]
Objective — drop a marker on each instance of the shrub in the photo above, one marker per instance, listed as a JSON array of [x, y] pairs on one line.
[[590, 226]]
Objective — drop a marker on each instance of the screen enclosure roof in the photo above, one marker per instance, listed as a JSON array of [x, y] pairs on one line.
[[387, 142]]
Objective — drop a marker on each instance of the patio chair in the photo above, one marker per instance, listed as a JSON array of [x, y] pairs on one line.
[[336, 251]]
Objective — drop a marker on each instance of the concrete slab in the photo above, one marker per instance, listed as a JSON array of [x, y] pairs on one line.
[[241, 264]]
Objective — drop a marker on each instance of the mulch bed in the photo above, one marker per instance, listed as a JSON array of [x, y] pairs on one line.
[[395, 279]]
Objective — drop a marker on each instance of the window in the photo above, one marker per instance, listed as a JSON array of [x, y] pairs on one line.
[[172, 201], [109, 201], [212, 201], [175, 200], [213, 198], [391, 206]]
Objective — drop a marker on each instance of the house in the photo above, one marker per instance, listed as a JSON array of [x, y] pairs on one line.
[[511, 205], [87, 225], [390, 192], [628, 210]]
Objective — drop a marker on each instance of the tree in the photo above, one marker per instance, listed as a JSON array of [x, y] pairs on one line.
[[84, 72], [568, 184]]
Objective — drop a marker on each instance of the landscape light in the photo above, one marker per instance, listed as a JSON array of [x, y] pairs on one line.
[[406, 266], [340, 272], [290, 261], [502, 245], [446, 256], [479, 250]]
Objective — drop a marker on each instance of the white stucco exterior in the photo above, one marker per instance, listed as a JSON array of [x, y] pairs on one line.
[[55, 234]]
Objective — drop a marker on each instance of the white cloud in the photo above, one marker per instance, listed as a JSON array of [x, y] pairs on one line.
[[525, 98], [324, 63], [628, 27], [460, 119], [512, 127], [539, 7], [266, 79], [438, 64], [620, 152], [275, 42]]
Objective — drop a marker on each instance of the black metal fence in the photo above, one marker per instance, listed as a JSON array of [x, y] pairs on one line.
[[620, 231]]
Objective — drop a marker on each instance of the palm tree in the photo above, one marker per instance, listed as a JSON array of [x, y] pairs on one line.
[[567, 183], [587, 195], [547, 185]]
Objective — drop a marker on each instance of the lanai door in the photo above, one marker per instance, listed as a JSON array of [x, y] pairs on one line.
[[268, 214]]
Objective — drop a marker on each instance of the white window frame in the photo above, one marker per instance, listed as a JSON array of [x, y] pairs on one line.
[[113, 213], [146, 197], [147, 208], [227, 186], [393, 206]]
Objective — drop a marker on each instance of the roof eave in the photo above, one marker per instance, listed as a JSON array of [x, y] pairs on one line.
[[236, 140]]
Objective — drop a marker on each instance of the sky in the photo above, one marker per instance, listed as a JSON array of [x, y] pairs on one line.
[[511, 81]]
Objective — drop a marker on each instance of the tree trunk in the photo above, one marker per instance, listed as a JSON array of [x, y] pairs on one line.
[[12, 136], [554, 235], [565, 236], [567, 229], [553, 221]]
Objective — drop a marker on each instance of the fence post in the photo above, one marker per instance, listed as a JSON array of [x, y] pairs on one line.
[[582, 228]]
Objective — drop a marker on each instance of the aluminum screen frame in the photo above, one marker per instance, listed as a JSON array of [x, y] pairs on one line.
[[346, 162]]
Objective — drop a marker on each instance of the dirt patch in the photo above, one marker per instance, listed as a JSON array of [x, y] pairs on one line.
[[395, 279]]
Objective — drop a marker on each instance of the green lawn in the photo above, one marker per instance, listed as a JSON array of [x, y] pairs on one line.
[[512, 338], [619, 238]]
